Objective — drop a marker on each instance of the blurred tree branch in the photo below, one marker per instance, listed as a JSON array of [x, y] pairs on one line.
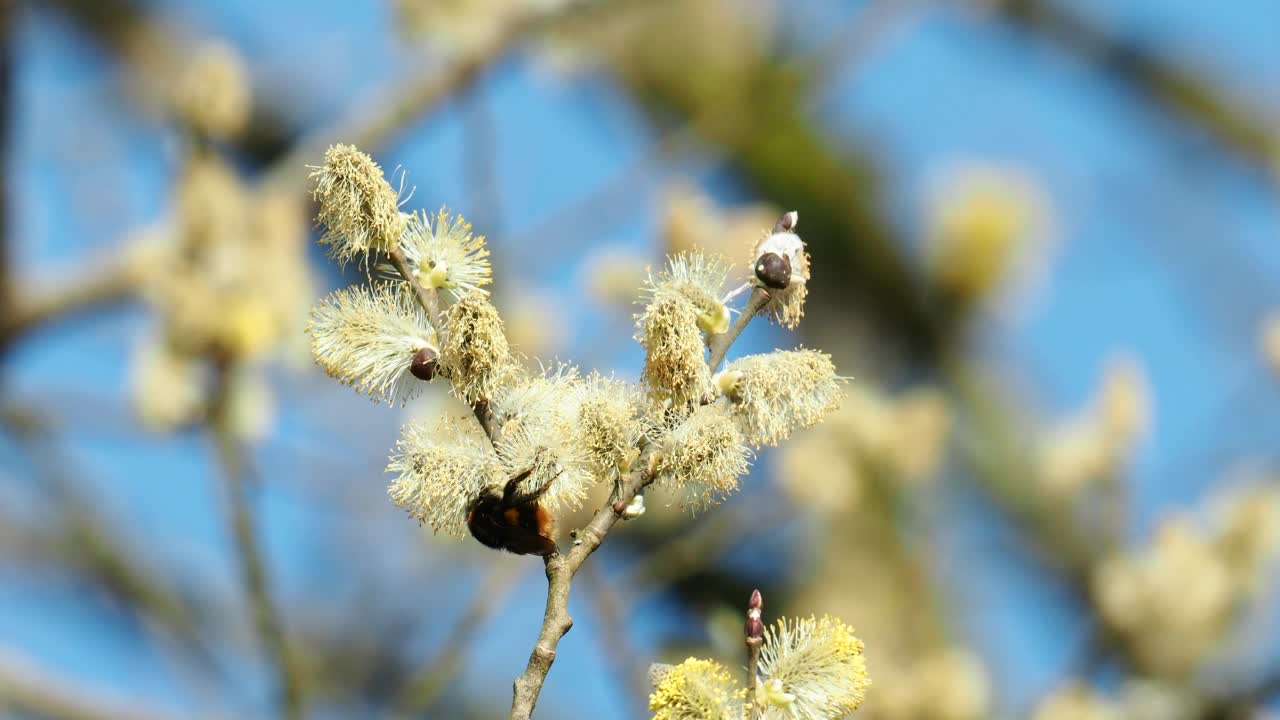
[[30, 690], [372, 124], [424, 687], [1193, 100], [614, 640], [254, 574], [34, 304], [78, 539]]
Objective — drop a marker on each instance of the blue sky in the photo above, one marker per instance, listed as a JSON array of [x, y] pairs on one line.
[[1163, 250]]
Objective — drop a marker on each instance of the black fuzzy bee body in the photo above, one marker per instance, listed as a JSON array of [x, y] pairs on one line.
[[511, 521]]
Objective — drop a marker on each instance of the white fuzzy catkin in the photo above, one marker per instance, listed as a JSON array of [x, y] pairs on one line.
[[366, 337], [439, 471], [537, 414], [700, 278], [609, 423], [703, 457], [777, 393]]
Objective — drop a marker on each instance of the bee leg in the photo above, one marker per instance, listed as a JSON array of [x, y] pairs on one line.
[[511, 494]]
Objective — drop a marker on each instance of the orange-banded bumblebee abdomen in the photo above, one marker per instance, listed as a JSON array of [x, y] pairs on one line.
[[522, 529]]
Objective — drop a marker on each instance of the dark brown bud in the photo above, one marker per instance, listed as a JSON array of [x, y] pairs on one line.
[[424, 363], [619, 507], [754, 629], [774, 271], [756, 602], [787, 222]]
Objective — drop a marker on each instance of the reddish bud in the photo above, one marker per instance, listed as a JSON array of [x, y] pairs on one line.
[[755, 626], [424, 363], [787, 222]]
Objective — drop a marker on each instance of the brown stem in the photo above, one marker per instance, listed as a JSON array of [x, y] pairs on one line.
[[30, 309], [753, 676], [560, 571], [719, 344]]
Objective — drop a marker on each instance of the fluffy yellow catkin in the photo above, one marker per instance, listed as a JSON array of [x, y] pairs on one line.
[[358, 207], [703, 457], [475, 354], [695, 690], [776, 393], [439, 471], [700, 278], [446, 255], [818, 663], [674, 368]]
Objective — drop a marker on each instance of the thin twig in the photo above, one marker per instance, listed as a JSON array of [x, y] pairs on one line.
[[86, 545], [719, 344], [267, 623], [560, 571], [1196, 102], [424, 688], [703, 544], [753, 676]]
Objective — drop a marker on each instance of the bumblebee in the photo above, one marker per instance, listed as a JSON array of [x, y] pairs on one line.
[[513, 520]]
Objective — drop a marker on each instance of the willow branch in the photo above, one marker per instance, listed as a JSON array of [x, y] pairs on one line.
[[87, 289], [556, 620], [1187, 97], [719, 344], [253, 569], [31, 690], [81, 541]]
